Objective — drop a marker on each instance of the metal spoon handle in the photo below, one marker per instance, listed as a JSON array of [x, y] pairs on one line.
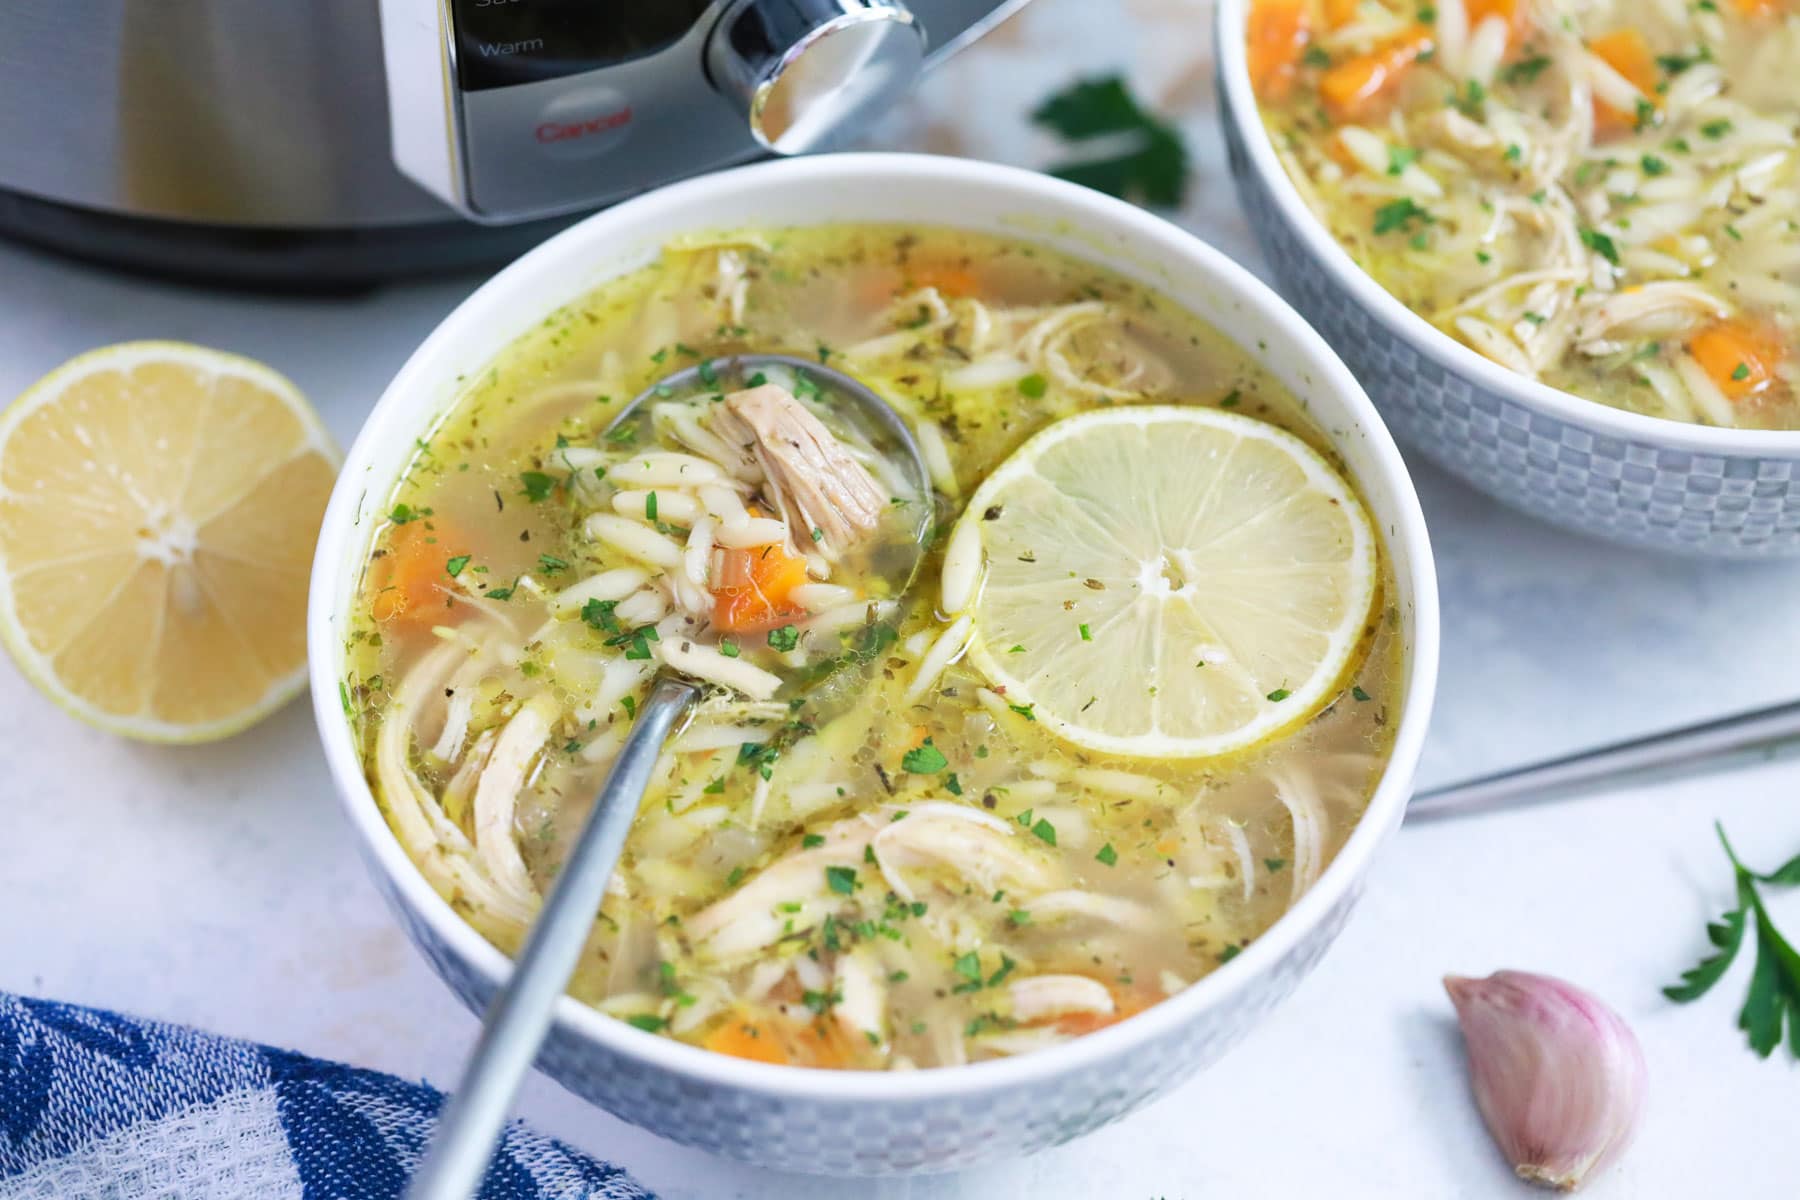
[[472, 1118], [1668, 751]]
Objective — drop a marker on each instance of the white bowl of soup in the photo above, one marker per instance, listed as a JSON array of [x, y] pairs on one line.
[[1554, 241], [918, 928]]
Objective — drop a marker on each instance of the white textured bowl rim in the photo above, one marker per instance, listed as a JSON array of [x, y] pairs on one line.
[[1080, 206], [1422, 335]]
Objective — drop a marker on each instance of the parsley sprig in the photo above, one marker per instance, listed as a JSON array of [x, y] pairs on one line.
[[1136, 156], [1774, 996]]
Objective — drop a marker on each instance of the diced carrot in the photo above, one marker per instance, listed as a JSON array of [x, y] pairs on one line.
[[917, 736], [1738, 356], [950, 279], [1350, 88], [1126, 1002], [1339, 13], [743, 1038], [410, 577], [1273, 42], [1758, 8], [1625, 51], [754, 588], [1516, 16]]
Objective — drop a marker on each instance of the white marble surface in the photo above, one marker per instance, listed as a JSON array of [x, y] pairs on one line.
[[218, 886]]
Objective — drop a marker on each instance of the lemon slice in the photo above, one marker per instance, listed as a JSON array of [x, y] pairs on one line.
[[159, 503], [1164, 582]]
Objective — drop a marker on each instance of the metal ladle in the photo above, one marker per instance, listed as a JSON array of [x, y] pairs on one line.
[[519, 1016]]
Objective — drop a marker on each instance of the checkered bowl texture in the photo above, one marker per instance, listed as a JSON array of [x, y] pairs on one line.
[[893, 1136], [1635, 491]]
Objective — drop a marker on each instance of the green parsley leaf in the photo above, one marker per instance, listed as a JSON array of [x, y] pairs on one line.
[[649, 1022], [1107, 856], [1143, 157], [1279, 694], [1741, 371], [1600, 244], [925, 760], [650, 506], [1019, 916], [953, 785], [1400, 215], [716, 787], [1526, 69], [1087, 635], [784, 639], [1716, 129], [629, 704], [729, 648], [551, 564], [1229, 953], [1653, 165], [1774, 995], [1399, 158], [400, 514], [1274, 864], [1044, 831], [599, 614], [1033, 387], [1024, 710], [538, 485], [454, 566], [812, 839], [968, 966], [841, 880], [1358, 692]]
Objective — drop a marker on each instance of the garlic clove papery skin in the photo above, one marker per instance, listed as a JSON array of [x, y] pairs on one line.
[[1558, 1076]]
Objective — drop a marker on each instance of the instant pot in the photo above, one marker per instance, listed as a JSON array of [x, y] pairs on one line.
[[341, 141]]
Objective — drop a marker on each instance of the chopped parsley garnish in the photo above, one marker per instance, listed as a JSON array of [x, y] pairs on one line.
[[1774, 996], [1741, 371], [1716, 129], [1019, 916], [819, 1002], [818, 535], [454, 566], [1229, 953], [551, 564], [650, 506], [629, 704], [717, 787], [1044, 831], [759, 755], [926, 759], [400, 514], [953, 785], [969, 967], [756, 380], [648, 1022], [1399, 158], [1033, 387], [538, 485], [1646, 116], [1016, 650], [841, 880], [1600, 244], [1358, 692], [1400, 215], [599, 614], [1653, 165], [1107, 856], [1087, 635], [1140, 156], [729, 648], [1315, 56], [784, 639], [1279, 694], [1526, 69], [811, 840], [1274, 864], [624, 435], [708, 374], [1024, 710]]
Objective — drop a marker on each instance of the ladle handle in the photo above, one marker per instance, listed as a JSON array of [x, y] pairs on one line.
[[470, 1124]]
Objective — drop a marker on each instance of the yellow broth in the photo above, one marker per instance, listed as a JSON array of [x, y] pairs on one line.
[[752, 912]]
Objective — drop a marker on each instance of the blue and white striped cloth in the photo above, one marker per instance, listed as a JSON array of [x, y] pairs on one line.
[[95, 1104]]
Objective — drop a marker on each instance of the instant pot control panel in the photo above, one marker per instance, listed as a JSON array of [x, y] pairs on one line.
[[511, 109]]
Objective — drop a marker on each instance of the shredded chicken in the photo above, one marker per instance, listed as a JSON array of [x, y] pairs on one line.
[[816, 482]]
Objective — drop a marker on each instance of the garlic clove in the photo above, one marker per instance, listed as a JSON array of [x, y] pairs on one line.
[[1558, 1076]]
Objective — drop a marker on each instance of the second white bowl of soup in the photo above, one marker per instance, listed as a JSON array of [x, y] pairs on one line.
[[1554, 240], [930, 878]]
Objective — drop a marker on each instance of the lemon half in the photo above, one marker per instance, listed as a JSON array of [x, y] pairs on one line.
[[159, 504], [1168, 582]]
